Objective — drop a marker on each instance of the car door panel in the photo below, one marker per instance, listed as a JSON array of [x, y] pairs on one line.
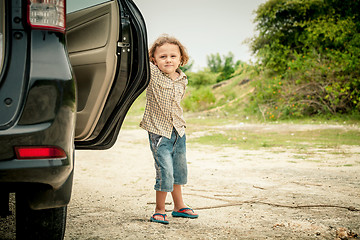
[[111, 70], [92, 37]]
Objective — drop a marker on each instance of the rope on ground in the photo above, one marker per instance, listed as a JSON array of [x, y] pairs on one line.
[[232, 203], [351, 208]]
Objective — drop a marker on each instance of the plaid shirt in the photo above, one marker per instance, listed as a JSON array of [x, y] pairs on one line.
[[163, 97]]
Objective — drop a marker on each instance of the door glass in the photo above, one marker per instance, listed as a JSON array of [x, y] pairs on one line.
[[72, 6]]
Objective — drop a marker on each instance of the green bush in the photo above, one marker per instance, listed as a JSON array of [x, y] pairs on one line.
[[202, 78], [198, 99], [312, 48]]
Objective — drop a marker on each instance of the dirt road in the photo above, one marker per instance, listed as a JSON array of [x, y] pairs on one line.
[[239, 194]]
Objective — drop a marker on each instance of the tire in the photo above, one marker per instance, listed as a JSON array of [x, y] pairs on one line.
[[44, 224]]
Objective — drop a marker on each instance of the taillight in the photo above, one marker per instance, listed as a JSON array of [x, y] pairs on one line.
[[39, 152], [47, 14]]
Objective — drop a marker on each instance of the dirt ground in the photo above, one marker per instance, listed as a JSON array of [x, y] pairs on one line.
[[239, 194]]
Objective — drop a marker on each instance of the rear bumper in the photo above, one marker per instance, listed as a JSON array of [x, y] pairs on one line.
[[39, 192], [51, 172], [47, 183]]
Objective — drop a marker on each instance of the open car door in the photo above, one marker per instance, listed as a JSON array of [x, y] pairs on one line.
[[107, 46]]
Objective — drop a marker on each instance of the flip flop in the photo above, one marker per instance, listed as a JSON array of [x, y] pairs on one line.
[[152, 219], [182, 213]]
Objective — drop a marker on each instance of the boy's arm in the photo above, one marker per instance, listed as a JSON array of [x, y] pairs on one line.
[[158, 77]]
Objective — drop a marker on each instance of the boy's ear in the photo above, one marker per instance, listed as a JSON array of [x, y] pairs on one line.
[[181, 61], [152, 59]]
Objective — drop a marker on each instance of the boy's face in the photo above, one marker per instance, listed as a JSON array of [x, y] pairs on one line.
[[167, 57]]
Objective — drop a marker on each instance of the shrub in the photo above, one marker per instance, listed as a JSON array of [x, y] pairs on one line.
[[313, 48], [198, 99], [202, 78]]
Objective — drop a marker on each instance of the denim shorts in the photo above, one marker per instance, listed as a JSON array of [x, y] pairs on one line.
[[170, 160]]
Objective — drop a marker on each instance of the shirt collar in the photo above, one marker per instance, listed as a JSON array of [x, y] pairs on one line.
[[179, 78]]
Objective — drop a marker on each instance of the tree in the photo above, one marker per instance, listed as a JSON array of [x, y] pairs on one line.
[[313, 47], [224, 65]]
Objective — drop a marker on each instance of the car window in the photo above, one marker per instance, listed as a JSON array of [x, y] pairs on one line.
[[72, 6]]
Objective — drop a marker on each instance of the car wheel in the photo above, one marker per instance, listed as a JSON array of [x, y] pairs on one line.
[[46, 224]]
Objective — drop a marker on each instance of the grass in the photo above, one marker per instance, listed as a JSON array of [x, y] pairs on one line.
[[134, 115], [258, 138]]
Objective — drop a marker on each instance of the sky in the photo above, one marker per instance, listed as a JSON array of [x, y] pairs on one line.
[[204, 27]]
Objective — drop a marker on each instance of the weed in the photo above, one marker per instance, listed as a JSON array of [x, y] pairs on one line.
[[299, 157], [265, 144]]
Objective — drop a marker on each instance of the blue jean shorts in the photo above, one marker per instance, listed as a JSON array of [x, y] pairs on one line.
[[170, 160]]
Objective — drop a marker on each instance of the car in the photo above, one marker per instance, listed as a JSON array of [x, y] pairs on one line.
[[67, 82]]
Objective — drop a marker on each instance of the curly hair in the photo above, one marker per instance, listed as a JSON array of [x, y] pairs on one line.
[[163, 39]]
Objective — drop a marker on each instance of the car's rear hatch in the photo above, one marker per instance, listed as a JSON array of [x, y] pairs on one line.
[[2, 33], [13, 69], [19, 21]]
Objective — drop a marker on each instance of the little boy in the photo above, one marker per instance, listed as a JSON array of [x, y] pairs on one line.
[[164, 121]]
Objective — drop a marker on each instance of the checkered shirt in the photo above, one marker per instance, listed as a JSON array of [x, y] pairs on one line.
[[163, 97]]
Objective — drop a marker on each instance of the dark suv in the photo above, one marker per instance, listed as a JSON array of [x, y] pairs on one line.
[[67, 81]]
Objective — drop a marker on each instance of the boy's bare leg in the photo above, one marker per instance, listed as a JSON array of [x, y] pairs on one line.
[[178, 200], [160, 205]]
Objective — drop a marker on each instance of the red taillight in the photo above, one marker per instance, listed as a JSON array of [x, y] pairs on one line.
[[39, 152], [47, 14]]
